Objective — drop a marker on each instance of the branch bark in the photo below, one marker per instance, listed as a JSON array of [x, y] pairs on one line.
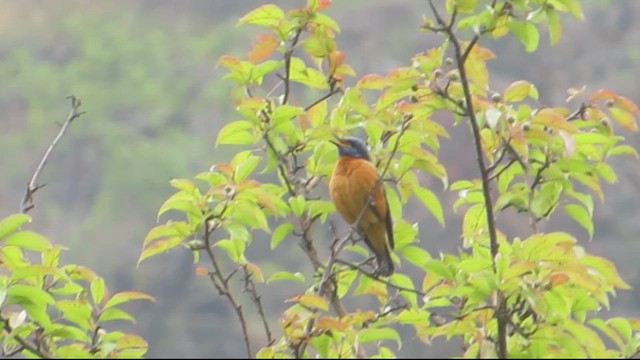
[[27, 202]]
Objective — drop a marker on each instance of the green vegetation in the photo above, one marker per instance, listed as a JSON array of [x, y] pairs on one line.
[[504, 243]]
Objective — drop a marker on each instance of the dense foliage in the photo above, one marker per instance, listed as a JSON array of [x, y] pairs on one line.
[[501, 294]]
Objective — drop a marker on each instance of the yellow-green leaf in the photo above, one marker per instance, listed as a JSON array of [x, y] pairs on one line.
[[235, 133], [311, 300], [126, 296], [12, 222], [266, 15], [431, 202]]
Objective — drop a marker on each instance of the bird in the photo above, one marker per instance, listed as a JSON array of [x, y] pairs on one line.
[[351, 189]]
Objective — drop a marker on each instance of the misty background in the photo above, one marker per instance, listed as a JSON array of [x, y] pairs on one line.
[[146, 74]]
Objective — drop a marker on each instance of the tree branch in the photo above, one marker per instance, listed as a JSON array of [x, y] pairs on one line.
[[250, 288], [500, 314], [221, 282], [24, 344], [27, 201]]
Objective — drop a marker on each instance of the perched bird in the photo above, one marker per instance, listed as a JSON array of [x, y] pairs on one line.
[[352, 191]]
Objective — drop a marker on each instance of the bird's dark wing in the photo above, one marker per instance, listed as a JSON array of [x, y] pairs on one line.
[[389, 225]]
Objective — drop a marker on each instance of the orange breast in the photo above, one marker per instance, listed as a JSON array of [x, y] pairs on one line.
[[349, 188]]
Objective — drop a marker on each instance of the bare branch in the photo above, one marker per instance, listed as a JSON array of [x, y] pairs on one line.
[[287, 64], [250, 288], [27, 202], [222, 283]]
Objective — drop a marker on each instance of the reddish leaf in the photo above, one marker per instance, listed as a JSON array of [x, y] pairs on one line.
[[255, 271], [200, 271], [336, 58], [323, 4], [519, 90], [262, 47], [311, 300], [558, 279], [224, 168], [315, 5], [231, 62], [553, 119], [331, 323], [603, 94]]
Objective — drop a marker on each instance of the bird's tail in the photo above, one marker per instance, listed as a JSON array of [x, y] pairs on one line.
[[385, 264]]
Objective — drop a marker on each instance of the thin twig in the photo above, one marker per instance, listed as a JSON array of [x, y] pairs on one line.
[[334, 90], [222, 283], [250, 288], [27, 201], [378, 279], [287, 64]]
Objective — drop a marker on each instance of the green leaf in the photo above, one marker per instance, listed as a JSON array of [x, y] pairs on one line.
[[431, 202], [67, 332], [77, 311], [461, 185], [519, 90], [527, 33], [624, 150], [322, 19], [415, 255], [181, 201], [404, 281], [21, 293], [280, 233], [463, 6], [246, 167], [297, 205], [438, 267], [376, 334], [234, 247], [114, 313], [126, 296], [285, 275], [624, 118], [345, 280], [159, 247], [28, 240], [623, 328], [555, 27], [285, 113], [235, 133], [581, 216], [12, 222], [604, 328], [130, 341], [306, 75], [404, 233], [265, 15], [97, 290], [170, 229], [474, 224]]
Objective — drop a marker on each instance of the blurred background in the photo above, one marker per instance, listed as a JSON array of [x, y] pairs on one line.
[[146, 74]]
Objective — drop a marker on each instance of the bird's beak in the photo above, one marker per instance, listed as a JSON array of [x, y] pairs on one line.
[[336, 141]]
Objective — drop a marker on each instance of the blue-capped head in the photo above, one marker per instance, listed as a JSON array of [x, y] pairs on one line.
[[351, 146]]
